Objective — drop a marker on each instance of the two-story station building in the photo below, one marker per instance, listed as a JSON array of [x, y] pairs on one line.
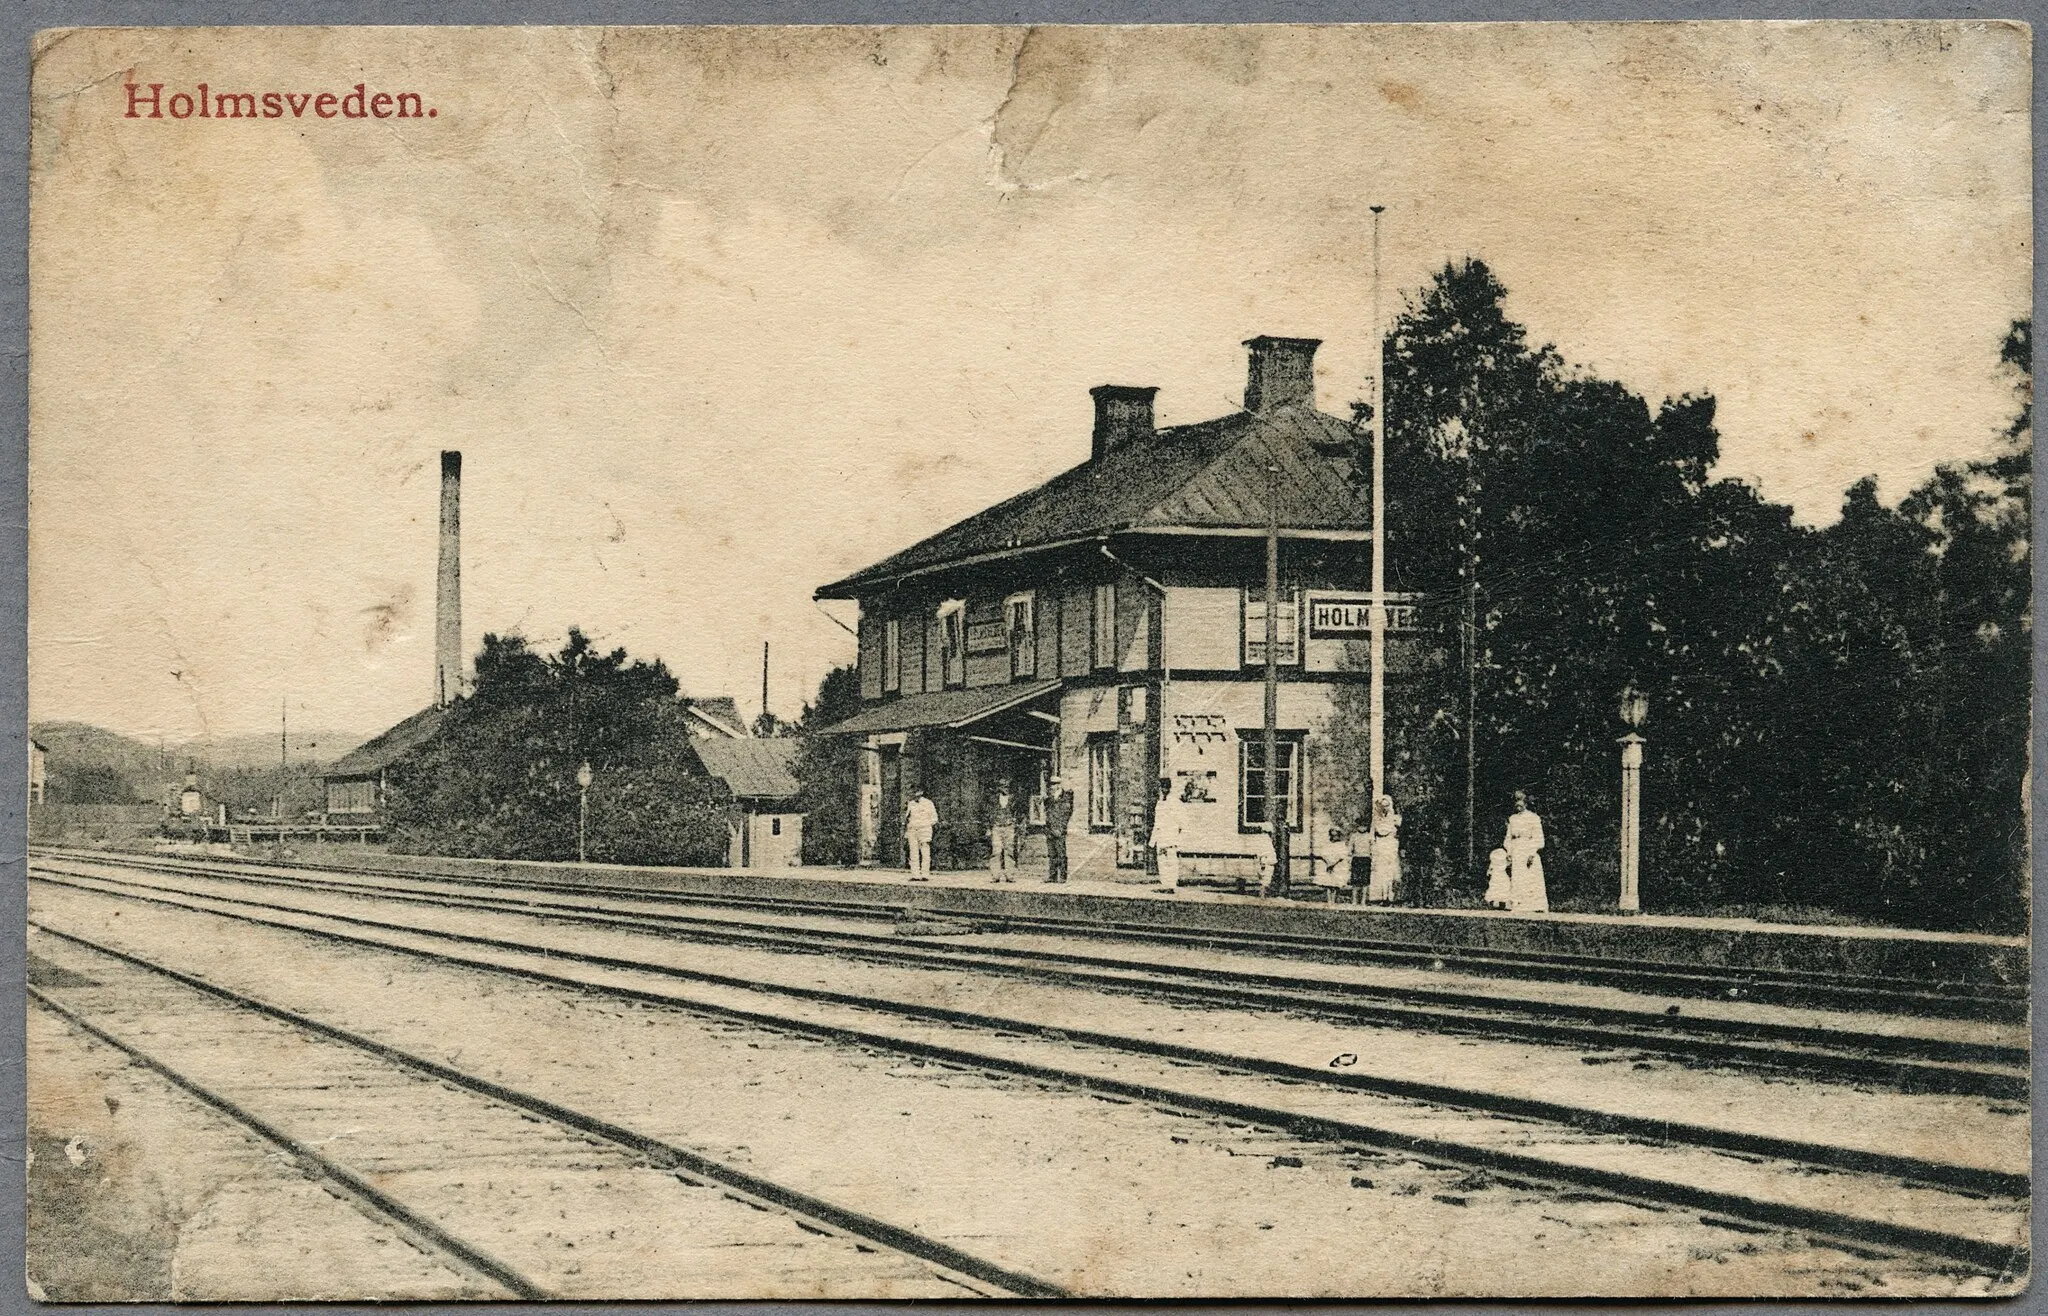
[[1108, 627]]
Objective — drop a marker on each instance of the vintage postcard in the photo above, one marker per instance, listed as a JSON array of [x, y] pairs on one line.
[[1375, 661]]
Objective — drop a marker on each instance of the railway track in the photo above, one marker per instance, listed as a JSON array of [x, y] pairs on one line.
[[2006, 1003], [1441, 1125], [454, 1106], [1911, 1063]]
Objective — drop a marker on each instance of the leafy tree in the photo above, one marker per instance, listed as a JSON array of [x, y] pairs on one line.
[[828, 767], [247, 790], [500, 778], [89, 783], [1950, 572], [1839, 717]]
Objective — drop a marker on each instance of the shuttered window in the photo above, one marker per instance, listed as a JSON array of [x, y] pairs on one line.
[[1102, 649], [1101, 783], [953, 643], [1288, 629], [1021, 623]]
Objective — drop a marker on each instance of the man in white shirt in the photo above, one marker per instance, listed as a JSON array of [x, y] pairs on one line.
[[918, 822], [1166, 829]]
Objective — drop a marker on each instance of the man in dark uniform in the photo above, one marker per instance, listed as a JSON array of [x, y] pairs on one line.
[[1059, 811], [1002, 836]]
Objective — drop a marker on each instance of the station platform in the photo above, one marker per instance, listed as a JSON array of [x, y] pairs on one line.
[[1904, 955]]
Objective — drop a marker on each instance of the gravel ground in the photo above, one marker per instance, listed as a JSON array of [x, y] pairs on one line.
[[139, 1192], [574, 1215], [1103, 1197]]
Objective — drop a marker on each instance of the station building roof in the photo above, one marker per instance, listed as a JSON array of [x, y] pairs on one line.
[[1207, 477]]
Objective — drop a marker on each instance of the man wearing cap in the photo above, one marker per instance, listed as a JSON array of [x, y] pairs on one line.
[[1059, 811], [1002, 836]]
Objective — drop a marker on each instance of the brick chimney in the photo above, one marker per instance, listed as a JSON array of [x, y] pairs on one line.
[[1282, 371], [1122, 413]]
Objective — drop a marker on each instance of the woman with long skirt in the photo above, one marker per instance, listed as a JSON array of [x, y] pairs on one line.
[[1524, 844], [1386, 852]]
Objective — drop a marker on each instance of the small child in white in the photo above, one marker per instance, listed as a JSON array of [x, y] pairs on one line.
[[1499, 892]]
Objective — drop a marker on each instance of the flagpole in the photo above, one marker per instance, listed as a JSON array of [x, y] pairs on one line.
[[1377, 714]]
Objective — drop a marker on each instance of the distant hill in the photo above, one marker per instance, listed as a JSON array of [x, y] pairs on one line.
[[81, 742], [91, 765], [259, 750]]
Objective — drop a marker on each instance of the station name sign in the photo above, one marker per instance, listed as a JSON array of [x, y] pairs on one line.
[[1347, 617]]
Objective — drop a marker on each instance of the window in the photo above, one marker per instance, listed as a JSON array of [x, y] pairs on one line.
[[892, 656], [351, 797], [1022, 630], [953, 642], [775, 826], [1258, 790], [1288, 631], [1103, 643], [1101, 783]]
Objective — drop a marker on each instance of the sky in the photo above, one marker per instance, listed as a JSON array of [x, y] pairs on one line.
[[718, 315]]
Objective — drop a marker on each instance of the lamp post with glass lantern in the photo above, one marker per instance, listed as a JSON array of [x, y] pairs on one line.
[[582, 808], [1635, 709]]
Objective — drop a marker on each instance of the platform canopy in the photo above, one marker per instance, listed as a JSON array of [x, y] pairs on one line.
[[948, 709]]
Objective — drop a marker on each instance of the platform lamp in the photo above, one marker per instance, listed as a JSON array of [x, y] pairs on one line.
[[583, 806], [1635, 710]]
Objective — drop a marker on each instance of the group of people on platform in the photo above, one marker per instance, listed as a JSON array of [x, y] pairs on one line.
[[921, 820], [1369, 861]]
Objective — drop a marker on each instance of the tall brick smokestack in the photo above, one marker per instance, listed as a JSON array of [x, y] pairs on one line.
[[448, 586]]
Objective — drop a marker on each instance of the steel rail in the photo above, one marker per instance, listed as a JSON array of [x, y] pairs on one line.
[[1828, 1227], [1969, 1179], [311, 1161], [1913, 1064], [1817, 989], [662, 1155]]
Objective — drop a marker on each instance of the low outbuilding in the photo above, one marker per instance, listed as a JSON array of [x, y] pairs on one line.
[[767, 826]]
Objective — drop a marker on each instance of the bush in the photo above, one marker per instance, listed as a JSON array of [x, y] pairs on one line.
[[499, 779]]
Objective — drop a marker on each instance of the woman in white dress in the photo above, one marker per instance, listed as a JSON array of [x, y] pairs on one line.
[[1386, 852], [1524, 844]]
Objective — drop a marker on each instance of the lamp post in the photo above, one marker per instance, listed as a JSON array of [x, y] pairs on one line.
[[1635, 709], [582, 808]]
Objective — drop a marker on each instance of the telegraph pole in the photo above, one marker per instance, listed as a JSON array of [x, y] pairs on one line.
[[1376, 716], [1276, 802], [1471, 629], [765, 724]]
